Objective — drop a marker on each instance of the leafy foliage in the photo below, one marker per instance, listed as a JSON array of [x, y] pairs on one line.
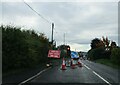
[[95, 54], [22, 48], [95, 43], [101, 50], [115, 56], [65, 52]]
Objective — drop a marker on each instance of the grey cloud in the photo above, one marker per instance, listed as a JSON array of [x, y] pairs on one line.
[[80, 21], [16, 8], [80, 41]]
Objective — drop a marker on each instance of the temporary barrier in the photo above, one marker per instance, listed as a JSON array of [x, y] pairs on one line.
[[79, 63], [63, 67], [72, 64]]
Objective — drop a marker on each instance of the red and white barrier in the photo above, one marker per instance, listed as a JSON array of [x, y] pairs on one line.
[[79, 63], [72, 64], [63, 67]]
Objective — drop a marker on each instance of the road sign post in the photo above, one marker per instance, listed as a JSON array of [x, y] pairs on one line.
[[52, 54]]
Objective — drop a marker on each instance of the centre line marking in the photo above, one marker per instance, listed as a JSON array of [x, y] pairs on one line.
[[98, 75], [87, 67], [101, 78]]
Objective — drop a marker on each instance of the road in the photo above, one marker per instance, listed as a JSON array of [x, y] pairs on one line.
[[92, 73]]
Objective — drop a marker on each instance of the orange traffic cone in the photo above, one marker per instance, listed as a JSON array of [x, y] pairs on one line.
[[63, 65], [79, 63], [72, 64]]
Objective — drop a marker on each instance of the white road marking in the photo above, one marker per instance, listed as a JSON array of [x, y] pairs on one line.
[[87, 67], [33, 76], [101, 78], [97, 75]]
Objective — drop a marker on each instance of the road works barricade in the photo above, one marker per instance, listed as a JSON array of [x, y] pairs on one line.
[[63, 67]]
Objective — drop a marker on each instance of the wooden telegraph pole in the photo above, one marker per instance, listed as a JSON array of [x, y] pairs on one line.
[[52, 33]]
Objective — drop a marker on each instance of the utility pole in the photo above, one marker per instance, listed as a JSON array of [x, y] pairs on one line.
[[52, 33]]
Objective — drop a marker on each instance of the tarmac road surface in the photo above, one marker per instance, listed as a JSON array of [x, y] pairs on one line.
[[89, 73]]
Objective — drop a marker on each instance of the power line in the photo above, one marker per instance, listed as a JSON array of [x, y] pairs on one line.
[[36, 12], [42, 18]]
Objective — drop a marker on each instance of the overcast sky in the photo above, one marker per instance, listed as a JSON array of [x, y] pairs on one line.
[[79, 21]]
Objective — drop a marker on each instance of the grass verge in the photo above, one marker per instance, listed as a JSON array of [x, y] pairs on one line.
[[108, 63]]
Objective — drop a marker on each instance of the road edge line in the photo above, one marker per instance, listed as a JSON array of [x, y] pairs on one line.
[[33, 76]]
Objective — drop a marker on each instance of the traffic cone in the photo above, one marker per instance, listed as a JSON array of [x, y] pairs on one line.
[[63, 65], [72, 64], [79, 63]]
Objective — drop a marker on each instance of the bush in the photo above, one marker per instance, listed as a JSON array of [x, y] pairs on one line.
[[96, 53], [115, 56], [22, 48], [90, 54]]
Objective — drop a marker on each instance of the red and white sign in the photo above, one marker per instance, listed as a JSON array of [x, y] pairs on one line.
[[54, 54]]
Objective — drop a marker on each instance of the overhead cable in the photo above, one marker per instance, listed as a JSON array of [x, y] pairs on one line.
[[36, 12]]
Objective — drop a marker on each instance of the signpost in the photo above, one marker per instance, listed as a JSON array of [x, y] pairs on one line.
[[74, 54], [54, 54]]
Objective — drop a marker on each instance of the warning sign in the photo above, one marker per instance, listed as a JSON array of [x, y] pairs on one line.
[[54, 54]]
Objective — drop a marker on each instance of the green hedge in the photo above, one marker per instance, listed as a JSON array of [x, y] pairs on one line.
[[100, 53], [96, 53], [22, 48], [115, 56]]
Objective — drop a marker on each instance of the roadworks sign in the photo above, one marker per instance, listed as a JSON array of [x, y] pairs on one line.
[[74, 54], [54, 54]]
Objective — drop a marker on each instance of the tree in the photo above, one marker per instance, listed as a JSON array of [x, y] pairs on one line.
[[95, 43], [65, 50], [106, 41], [101, 49], [113, 44]]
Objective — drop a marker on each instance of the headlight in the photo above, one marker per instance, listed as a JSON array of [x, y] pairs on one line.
[[47, 65]]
